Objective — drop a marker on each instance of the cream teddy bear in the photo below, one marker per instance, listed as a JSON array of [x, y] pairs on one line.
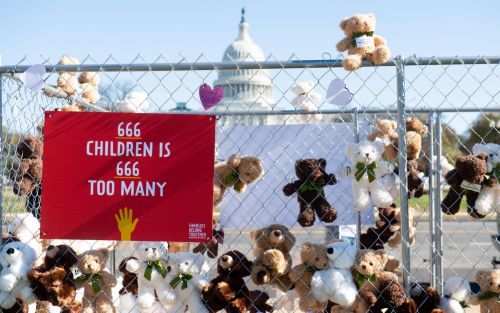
[[304, 100]]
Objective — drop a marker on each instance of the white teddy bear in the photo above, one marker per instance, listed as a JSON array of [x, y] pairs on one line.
[[371, 175], [304, 100], [336, 283], [16, 260], [456, 295], [190, 277], [489, 198], [152, 274], [26, 228], [134, 102]]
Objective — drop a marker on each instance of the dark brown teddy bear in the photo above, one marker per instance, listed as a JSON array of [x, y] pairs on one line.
[[29, 173], [129, 281], [466, 180], [375, 237], [228, 290], [310, 194], [393, 298], [426, 298], [53, 280]]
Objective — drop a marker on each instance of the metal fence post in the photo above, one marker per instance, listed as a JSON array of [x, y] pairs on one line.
[[438, 218], [356, 140], [403, 187], [431, 157]]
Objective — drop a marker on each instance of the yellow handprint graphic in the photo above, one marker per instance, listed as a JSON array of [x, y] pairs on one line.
[[125, 223]]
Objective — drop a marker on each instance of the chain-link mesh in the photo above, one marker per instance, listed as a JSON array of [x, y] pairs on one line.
[[280, 113]]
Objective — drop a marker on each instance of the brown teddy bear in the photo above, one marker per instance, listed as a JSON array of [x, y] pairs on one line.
[[237, 172], [228, 290], [466, 180], [89, 83], [426, 298], [67, 81], [361, 42], [387, 229], [129, 280], [314, 258], [53, 280], [489, 298], [393, 298], [96, 281], [273, 262], [29, 173], [211, 247], [310, 194], [258, 302], [369, 275]]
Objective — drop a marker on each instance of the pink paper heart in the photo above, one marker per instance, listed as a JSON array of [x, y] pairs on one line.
[[210, 97]]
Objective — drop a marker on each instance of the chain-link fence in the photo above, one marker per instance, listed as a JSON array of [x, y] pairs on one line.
[[434, 110]]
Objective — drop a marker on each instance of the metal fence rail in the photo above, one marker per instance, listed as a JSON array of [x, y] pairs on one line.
[[441, 92]]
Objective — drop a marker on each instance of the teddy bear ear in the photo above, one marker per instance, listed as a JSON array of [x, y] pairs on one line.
[[234, 161], [255, 234], [371, 16], [322, 162], [343, 24], [483, 156], [104, 252], [482, 276]]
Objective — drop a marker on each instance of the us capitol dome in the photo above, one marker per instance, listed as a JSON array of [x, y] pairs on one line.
[[244, 90]]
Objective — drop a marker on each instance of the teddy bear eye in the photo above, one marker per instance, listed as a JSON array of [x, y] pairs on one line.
[[317, 259], [371, 263], [187, 263], [491, 283]]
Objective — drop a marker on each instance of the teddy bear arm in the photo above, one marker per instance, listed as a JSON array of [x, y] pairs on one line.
[[474, 299], [343, 45], [292, 188], [108, 279], [491, 181], [330, 179], [379, 41], [368, 296], [453, 178]]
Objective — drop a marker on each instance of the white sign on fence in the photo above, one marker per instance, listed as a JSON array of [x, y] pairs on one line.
[[279, 146]]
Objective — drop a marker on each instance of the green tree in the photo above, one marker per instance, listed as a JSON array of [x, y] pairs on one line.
[[485, 129]]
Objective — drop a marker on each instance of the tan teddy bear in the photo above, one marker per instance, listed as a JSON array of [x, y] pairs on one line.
[[90, 86], [314, 258], [361, 42], [96, 282], [489, 297], [67, 81], [237, 172], [388, 132], [272, 262], [370, 277]]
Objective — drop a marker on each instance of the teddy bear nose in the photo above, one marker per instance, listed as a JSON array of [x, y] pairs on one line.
[[367, 154], [277, 233], [224, 258], [10, 251], [154, 249], [329, 250], [363, 267], [366, 24]]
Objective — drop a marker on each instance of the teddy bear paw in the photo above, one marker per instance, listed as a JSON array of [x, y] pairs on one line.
[[145, 301], [351, 62]]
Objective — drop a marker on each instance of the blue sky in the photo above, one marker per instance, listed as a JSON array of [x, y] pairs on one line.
[[308, 29]]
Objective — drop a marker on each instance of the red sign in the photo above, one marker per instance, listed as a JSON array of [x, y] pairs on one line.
[[122, 176]]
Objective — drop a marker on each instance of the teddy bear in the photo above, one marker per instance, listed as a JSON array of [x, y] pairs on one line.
[[258, 302], [370, 277], [212, 247], [53, 280], [372, 176], [228, 290], [361, 42], [237, 172], [336, 282], [26, 228], [467, 179], [426, 298], [150, 266], [133, 102], [488, 199], [272, 263], [89, 84], [129, 291], [16, 261], [456, 295], [489, 297], [387, 131], [310, 194], [387, 229], [96, 281], [393, 298], [29, 172], [304, 100], [67, 82], [19, 306], [190, 277], [314, 258]]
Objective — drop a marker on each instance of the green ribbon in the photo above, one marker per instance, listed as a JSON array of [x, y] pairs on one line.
[[181, 277], [359, 278], [316, 187], [464, 305], [233, 179], [150, 265], [310, 268], [369, 169], [356, 35], [488, 295], [96, 280]]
